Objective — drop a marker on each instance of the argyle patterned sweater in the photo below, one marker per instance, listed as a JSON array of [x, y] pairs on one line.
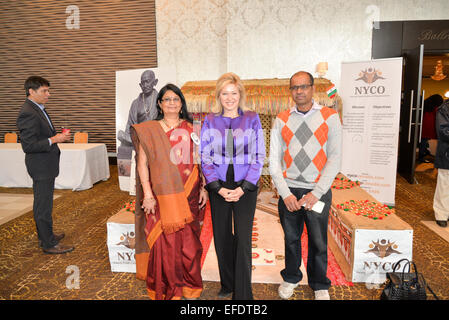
[[305, 150]]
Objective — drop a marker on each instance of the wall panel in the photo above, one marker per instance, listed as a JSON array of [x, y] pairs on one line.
[[79, 63]]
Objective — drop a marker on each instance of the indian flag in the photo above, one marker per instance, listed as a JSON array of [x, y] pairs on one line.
[[331, 91]]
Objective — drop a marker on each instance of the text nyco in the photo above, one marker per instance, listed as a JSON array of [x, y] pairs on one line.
[[374, 90]]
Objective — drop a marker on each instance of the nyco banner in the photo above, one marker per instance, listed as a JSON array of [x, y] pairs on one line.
[[371, 95]]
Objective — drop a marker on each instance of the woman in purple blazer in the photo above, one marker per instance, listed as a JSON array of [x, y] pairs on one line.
[[232, 156]]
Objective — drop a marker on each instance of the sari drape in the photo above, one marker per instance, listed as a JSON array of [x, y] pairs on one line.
[[168, 249]]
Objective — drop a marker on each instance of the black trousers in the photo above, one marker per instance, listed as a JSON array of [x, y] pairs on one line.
[[293, 225], [234, 248], [42, 209]]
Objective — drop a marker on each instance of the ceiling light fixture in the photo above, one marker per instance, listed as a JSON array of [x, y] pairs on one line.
[[439, 75]]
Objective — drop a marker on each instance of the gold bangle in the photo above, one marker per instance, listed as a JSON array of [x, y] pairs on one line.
[[148, 198]]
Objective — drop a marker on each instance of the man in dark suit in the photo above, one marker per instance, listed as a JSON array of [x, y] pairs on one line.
[[40, 144]]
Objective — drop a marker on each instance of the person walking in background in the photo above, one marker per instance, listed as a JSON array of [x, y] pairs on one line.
[[232, 155], [40, 144], [305, 157], [441, 197], [170, 191], [431, 105]]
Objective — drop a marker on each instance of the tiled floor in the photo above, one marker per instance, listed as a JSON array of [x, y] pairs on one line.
[[14, 205]]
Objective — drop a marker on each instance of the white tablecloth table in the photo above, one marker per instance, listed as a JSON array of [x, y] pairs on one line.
[[81, 165]]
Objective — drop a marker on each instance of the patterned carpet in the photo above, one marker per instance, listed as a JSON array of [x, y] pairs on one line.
[[26, 273]]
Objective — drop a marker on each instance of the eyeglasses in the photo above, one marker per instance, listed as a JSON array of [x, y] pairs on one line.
[[175, 99], [302, 87]]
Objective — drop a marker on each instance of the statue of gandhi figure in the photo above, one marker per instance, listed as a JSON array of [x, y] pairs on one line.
[[143, 108]]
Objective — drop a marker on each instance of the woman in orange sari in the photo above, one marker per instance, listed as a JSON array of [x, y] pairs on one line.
[[171, 193]]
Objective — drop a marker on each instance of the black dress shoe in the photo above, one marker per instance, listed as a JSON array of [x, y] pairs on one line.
[[442, 223], [224, 294], [58, 249], [58, 237]]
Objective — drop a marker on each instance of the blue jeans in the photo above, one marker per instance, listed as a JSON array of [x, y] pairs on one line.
[[293, 225]]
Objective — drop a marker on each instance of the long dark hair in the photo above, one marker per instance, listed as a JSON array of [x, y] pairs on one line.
[[184, 113], [433, 102]]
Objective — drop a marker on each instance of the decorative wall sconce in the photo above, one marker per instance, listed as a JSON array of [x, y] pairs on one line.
[[321, 69]]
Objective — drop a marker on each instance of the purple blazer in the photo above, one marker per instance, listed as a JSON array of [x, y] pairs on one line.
[[248, 154]]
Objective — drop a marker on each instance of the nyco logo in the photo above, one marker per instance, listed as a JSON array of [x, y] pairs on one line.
[[383, 248], [128, 240], [369, 76]]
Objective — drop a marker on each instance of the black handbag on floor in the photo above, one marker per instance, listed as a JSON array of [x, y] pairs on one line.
[[405, 285]]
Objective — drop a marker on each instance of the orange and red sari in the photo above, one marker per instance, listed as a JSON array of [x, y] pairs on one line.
[[168, 249]]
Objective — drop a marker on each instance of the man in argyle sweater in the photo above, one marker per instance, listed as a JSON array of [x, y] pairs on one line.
[[305, 152]]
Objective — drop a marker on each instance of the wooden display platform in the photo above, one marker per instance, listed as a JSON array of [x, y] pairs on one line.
[[365, 243], [123, 217], [266, 202]]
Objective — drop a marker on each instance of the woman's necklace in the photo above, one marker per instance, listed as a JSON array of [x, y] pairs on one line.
[[173, 126]]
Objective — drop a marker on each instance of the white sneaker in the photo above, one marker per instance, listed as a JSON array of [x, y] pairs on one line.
[[322, 295], [285, 290]]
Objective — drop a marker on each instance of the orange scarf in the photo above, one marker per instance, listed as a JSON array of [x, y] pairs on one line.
[[165, 179]]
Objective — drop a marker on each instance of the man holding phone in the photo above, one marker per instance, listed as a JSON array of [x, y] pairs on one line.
[[40, 144], [305, 157]]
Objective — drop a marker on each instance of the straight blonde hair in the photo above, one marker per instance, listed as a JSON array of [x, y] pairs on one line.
[[223, 81]]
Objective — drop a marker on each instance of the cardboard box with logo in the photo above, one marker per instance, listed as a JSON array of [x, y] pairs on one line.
[[365, 236], [121, 242]]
